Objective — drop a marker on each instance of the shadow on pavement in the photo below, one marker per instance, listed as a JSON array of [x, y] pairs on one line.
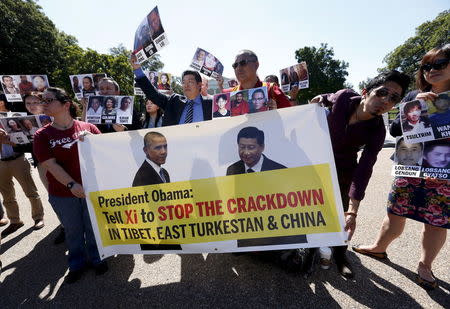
[[219, 280]]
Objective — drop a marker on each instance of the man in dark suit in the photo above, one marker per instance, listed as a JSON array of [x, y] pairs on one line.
[[151, 172], [251, 146], [178, 109]]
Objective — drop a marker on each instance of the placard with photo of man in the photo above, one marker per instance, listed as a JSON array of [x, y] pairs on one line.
[[16, 86], [85, 85], [240, 102], [294, 76], [415, 122], [21, 129], [206, 63], [428, 159], [110, 109], [150, 36], [439, 115]]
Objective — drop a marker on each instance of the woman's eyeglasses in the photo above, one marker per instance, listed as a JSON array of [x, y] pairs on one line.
[[437, 65]]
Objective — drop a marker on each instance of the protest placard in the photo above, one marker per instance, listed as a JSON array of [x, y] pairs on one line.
[[21, 129], [439, 115], [152, 77], [206, 63], [110, 109], [150, 36], [85, 85], [16, 86], [294, 76], [427, 159], [240, 102], [186, 189]]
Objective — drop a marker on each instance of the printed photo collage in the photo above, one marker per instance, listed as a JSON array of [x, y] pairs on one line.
[[241, 102], [294, 76], [110, 109], [16, 86], [150, 36]]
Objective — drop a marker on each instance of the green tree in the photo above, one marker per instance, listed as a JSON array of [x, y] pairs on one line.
[[326, 74], [29, 41], [430, 34]]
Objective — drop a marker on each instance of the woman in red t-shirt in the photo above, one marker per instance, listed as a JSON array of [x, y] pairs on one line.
[[55, 146]]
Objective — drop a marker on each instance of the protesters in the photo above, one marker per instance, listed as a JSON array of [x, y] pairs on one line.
[[354, 122], [178, 109], [423, 200], [292, 93], [245, 66], [14, 165], [108, 86], [56, 148]]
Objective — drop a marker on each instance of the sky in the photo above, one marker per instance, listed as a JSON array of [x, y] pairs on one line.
[[360, 32]]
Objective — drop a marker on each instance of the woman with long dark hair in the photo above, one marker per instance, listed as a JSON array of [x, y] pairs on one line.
[[424, 200], [56, 149]]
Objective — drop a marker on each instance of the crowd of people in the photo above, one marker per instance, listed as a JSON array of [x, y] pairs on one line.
[[354, 120]]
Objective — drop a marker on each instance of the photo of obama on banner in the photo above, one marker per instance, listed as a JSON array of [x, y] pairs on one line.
[[151, 172], [150, 36]]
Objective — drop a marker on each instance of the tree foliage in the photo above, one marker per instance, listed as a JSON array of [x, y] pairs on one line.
[[326, 74], [430, 34]]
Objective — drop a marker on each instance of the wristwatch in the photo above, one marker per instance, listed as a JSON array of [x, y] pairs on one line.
[[70, 184]]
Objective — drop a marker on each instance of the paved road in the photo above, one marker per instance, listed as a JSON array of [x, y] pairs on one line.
[[34, 269]]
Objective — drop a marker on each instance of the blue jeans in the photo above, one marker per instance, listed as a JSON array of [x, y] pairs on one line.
[[74, 215]]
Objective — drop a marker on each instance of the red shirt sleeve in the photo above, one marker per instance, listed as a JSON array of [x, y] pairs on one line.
[[41, 146]]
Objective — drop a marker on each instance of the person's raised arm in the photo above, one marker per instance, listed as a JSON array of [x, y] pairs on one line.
[[143, 82]]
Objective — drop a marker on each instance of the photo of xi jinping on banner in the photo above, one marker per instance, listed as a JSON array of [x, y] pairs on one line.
[[150, 36]]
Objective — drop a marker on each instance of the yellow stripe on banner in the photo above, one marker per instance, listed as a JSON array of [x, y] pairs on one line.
[[281, 202]]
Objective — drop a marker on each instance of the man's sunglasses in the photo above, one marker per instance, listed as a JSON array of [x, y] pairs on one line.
[[437, 65], [383, 93], [241, 63]]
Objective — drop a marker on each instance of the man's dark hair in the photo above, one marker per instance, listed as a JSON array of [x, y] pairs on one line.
[[248, 53], [88, 77], [410, 105], [196, 75], [123, 99], [150, 136], [251, 132], [395, 76], [272, 79], [258, 90], [3, 77], [401, 140], [429, 146], [221, 96]]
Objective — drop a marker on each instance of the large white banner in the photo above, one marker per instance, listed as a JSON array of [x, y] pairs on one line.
[[189, 189]]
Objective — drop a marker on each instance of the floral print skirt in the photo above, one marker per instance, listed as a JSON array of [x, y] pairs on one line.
[[424, 200]]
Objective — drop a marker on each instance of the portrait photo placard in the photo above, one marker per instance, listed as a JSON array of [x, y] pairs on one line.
[[415, 122], [16, 86], [422, 159], [150, 36], [206, 63], [439, 115], [110, 109], [294, 76], [21, 129], [241, 102], [85, 85]]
